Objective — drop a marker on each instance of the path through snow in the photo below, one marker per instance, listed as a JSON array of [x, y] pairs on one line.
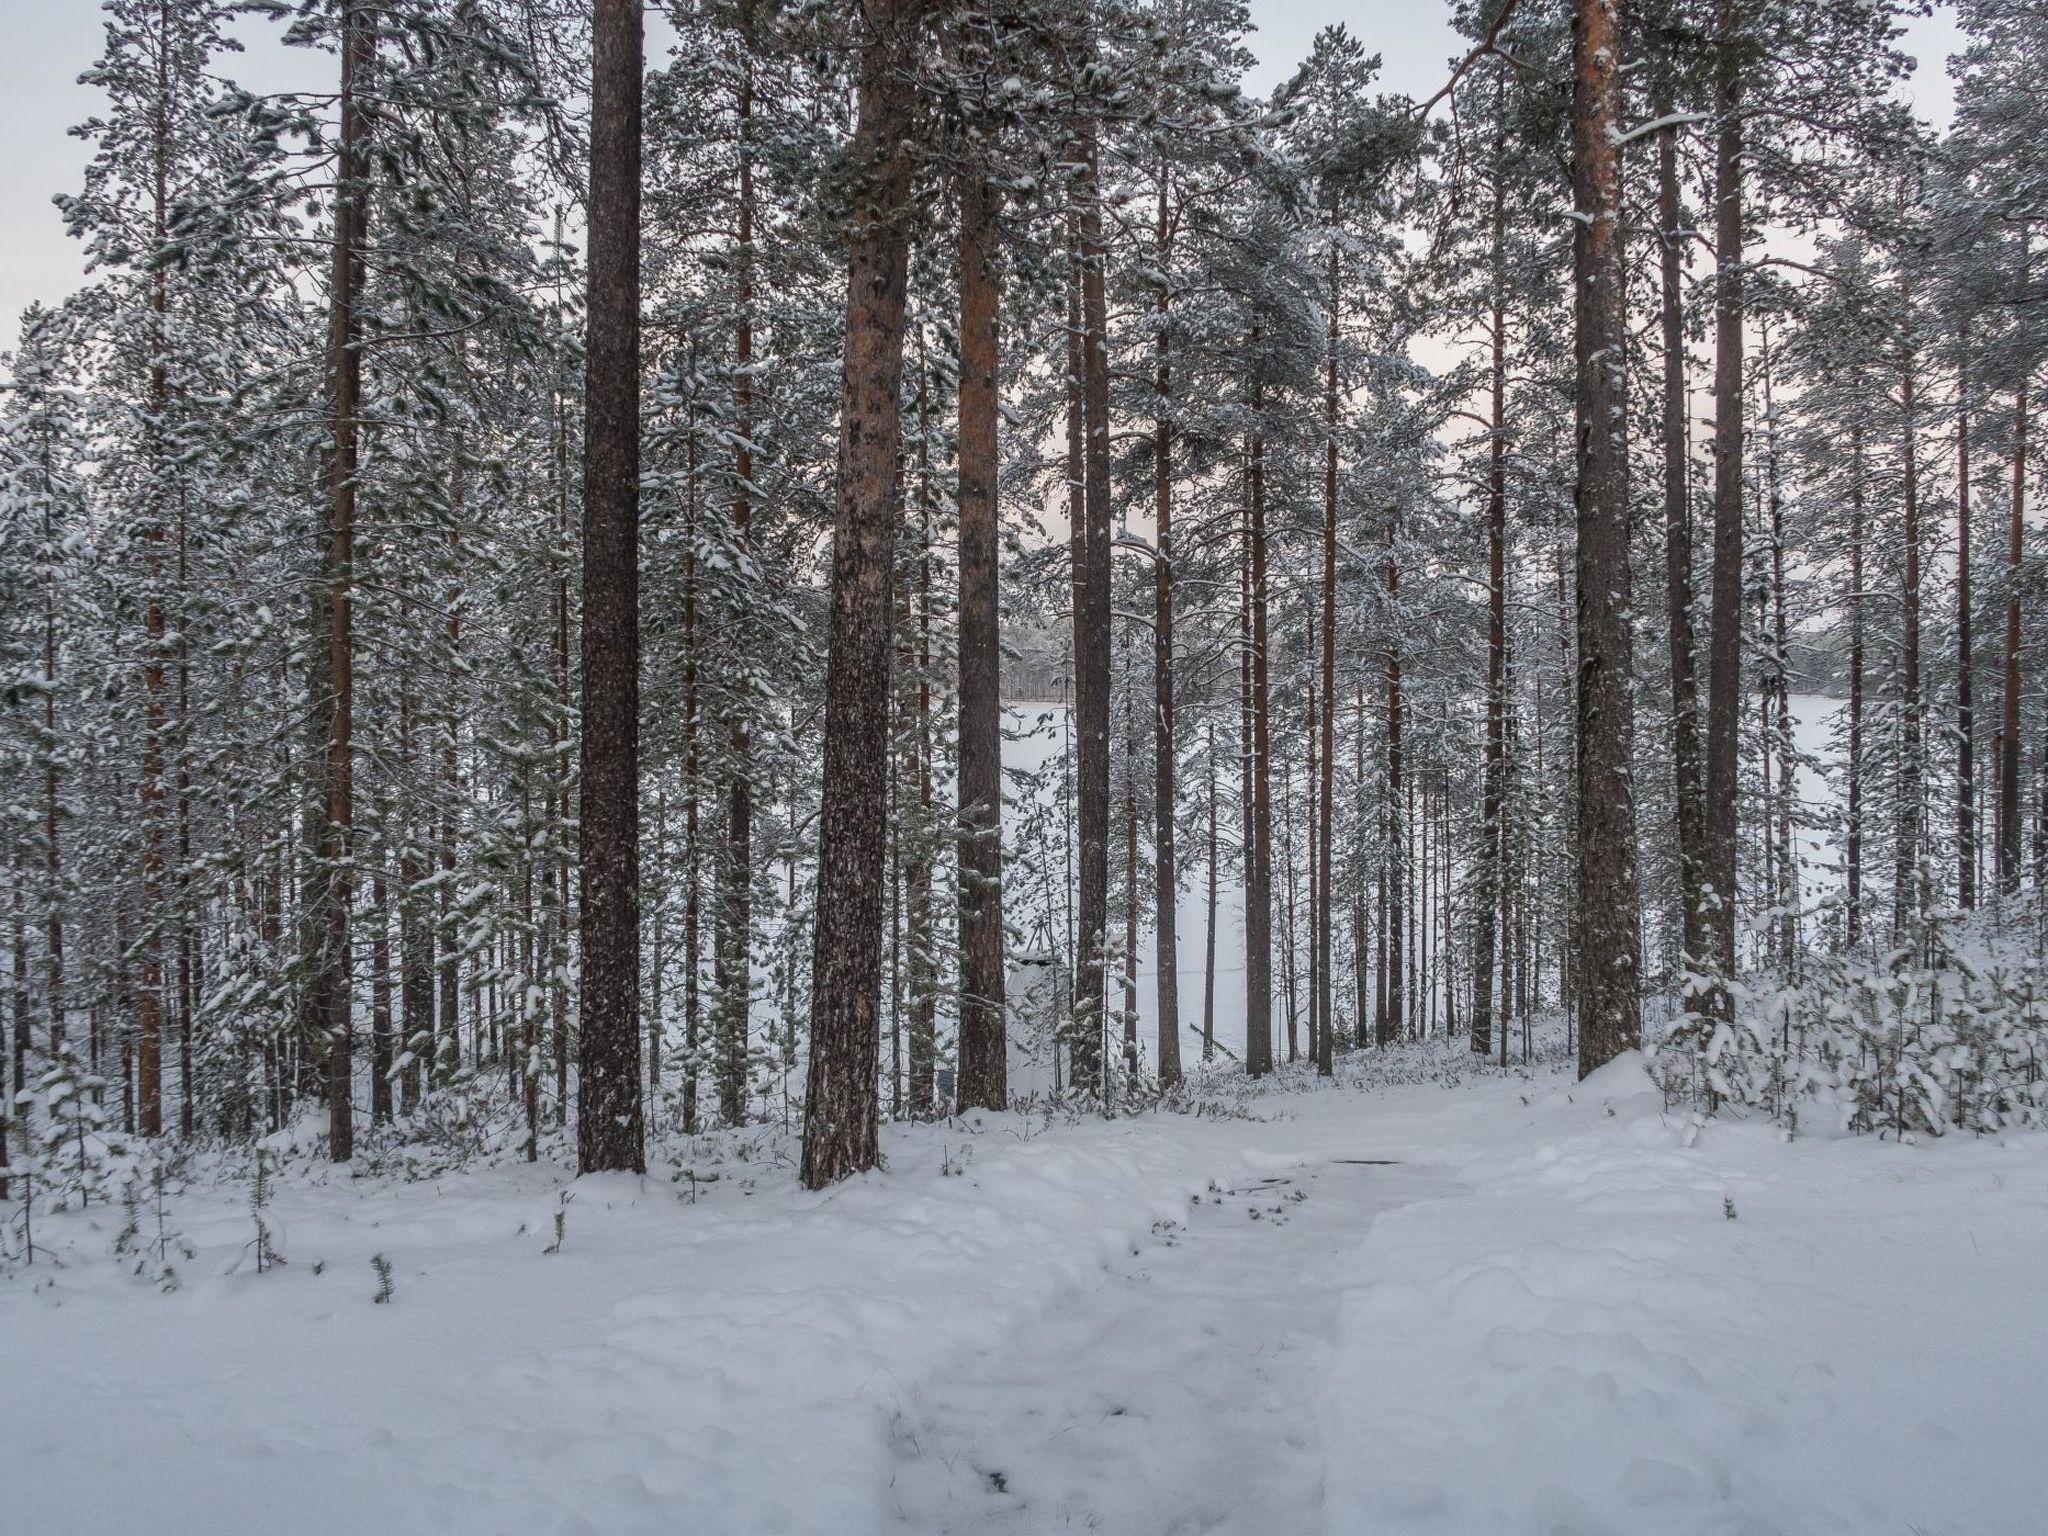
[[1183, 1395]]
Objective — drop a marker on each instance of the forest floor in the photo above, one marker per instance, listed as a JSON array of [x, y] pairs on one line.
[[1422, 1300]]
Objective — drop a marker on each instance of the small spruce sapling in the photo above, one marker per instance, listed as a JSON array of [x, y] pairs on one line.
[[382, 1266], [269, 1233], [561, 1223]]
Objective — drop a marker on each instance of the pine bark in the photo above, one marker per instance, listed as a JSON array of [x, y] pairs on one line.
[[1165, 862], [1258, 895], [1092, 629], [1907, 809], [840, 1110], [351, 218], [1488, 862], [1609, 942], [609, 1112]]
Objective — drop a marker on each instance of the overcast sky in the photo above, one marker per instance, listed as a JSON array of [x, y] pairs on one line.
[[46, 43]]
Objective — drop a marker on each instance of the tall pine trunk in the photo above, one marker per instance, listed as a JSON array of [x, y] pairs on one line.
[[840, 1110], [1165, 864], [983, 1058], [351, 217], [1907, 808], [1092, 628], [1258, 894], [1608, 931], [1489, 860], [608, 1107]]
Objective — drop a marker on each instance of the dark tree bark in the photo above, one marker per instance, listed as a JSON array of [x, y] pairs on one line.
[[1258, 894], [1092, 629], [840, 1110], [150, 784], [1488, 871], [351, 220], [608, 1108], [1724, 642], [1908, 810], [983, 1057], [1685, 703], [1166, 868], [1608, 925]]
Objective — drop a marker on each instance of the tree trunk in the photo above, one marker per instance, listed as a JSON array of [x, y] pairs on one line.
[[1608, 924], [983, 1053], [1258, 895], [1488, 871], [351, 219], [1165, 864], [1907, 812], [1092, 628], [608, 1108], [1724, 643], [840, 1108]]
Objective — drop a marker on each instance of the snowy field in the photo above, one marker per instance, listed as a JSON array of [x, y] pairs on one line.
[[1414, 1302]]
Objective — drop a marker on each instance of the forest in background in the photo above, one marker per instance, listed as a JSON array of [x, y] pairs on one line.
[[505, 564]]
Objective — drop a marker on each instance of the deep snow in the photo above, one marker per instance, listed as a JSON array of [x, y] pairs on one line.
[[1419, 1301]]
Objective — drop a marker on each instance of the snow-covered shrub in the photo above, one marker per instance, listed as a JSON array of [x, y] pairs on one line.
[[83, 1159], [1944, 1032]]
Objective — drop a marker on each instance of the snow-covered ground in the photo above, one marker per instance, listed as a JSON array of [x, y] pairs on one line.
[[1416, 1302]]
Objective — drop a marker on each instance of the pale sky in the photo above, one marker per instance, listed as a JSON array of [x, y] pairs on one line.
[[47, 43]]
